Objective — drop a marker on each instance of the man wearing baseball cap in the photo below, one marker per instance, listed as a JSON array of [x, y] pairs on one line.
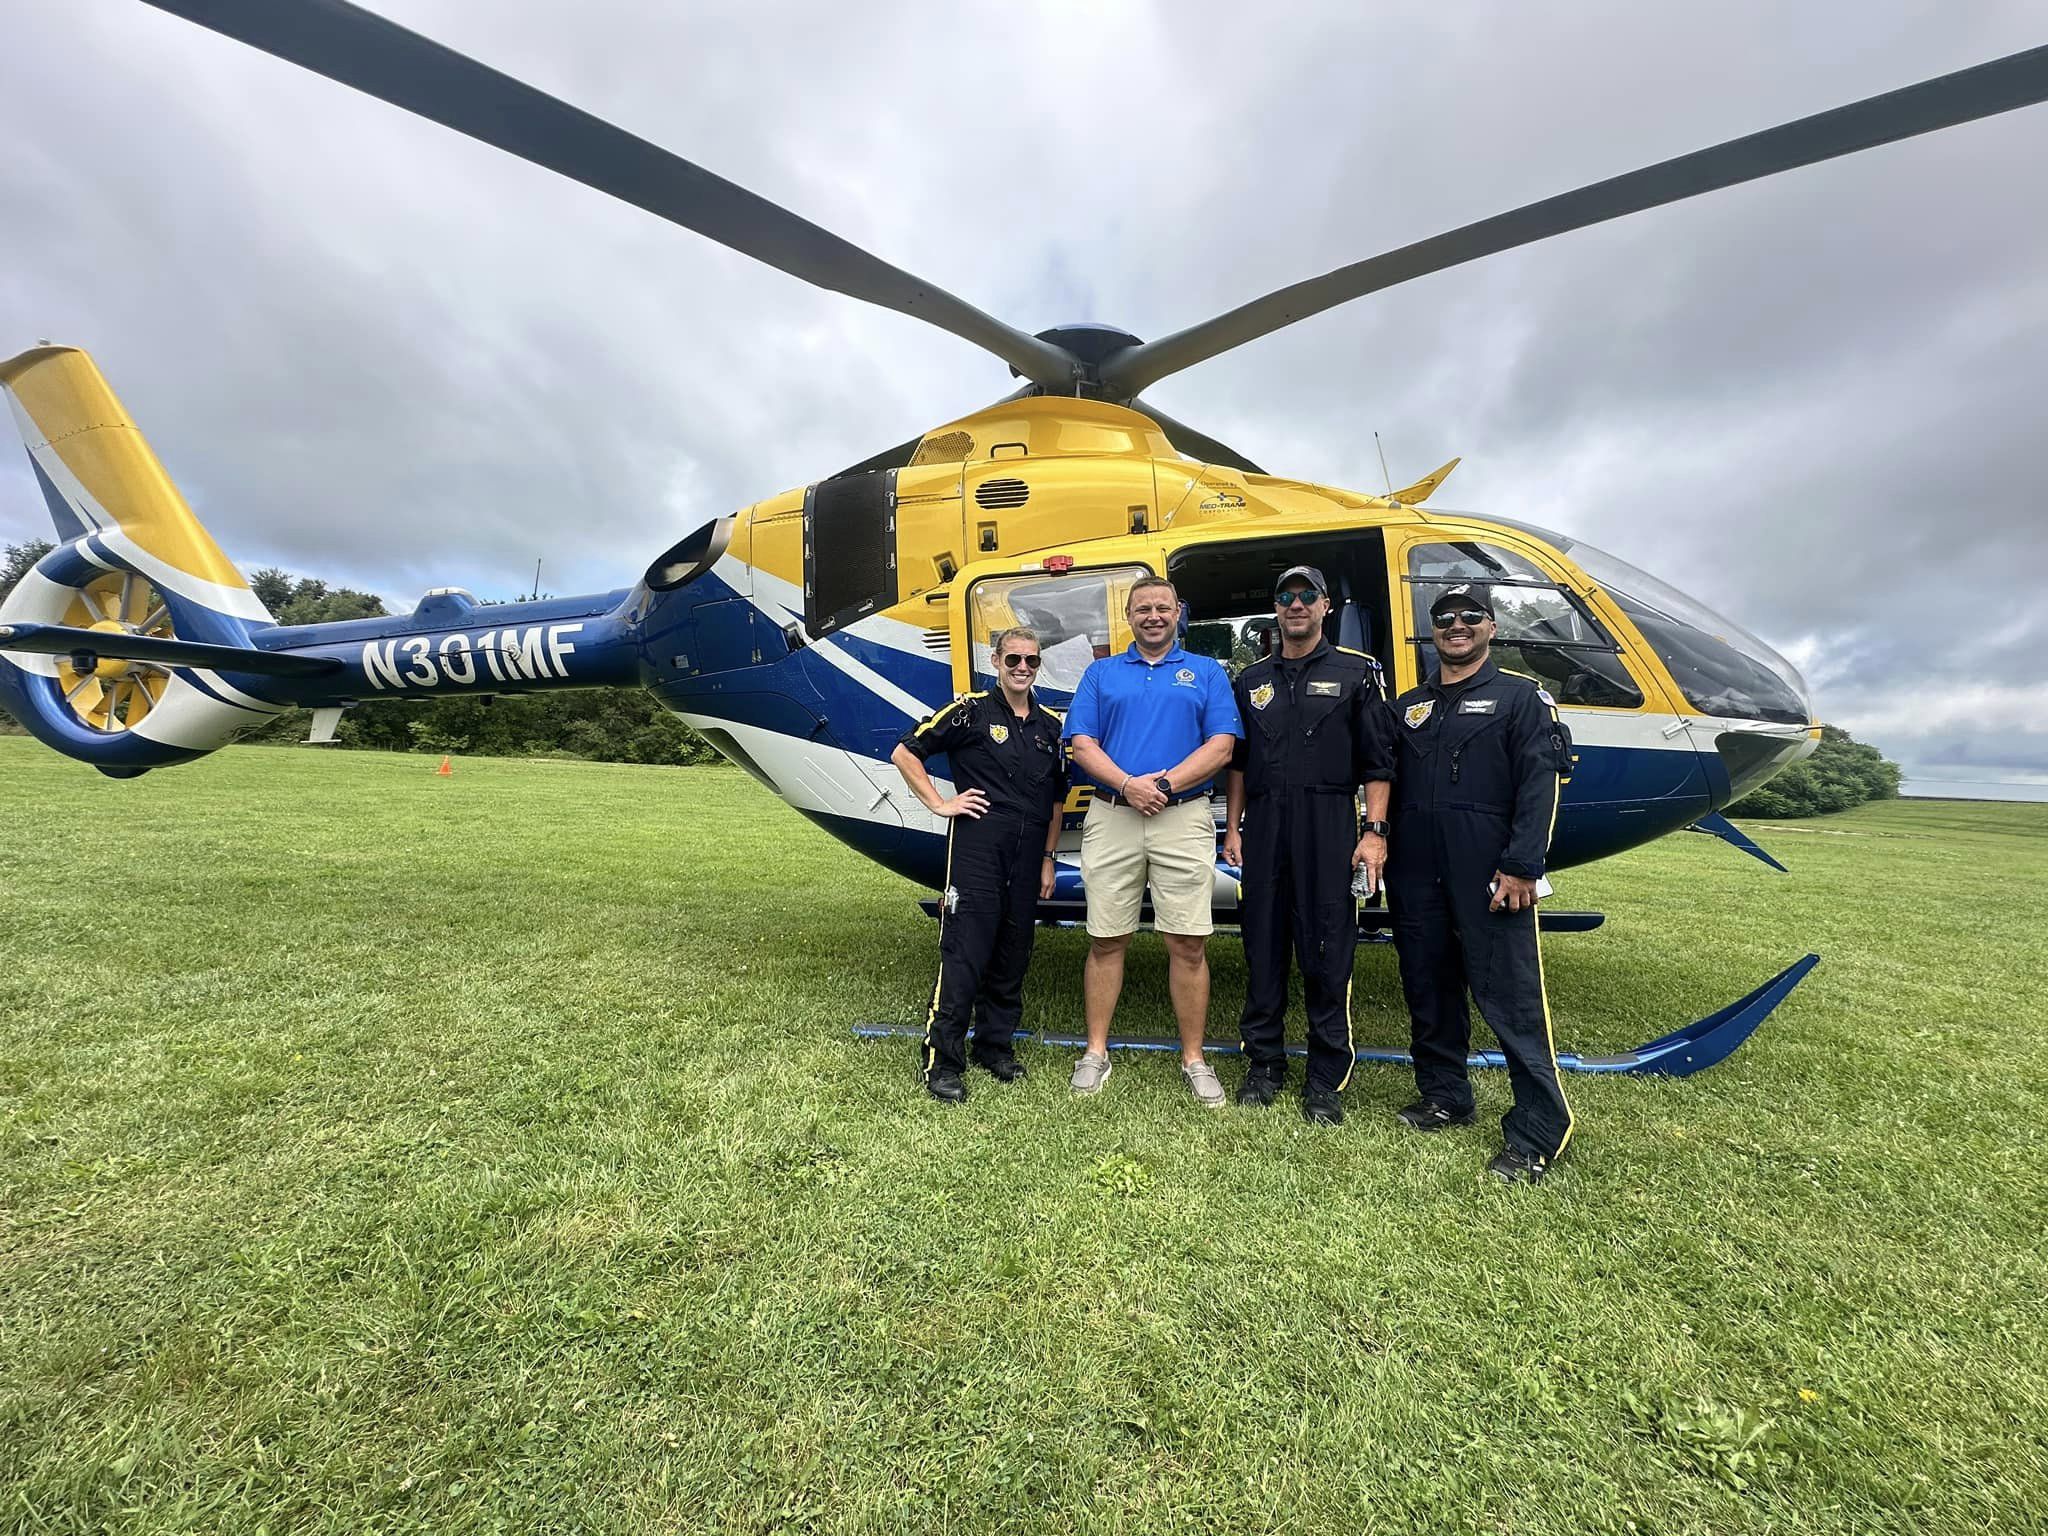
[[1316, 729], [1481, 757]]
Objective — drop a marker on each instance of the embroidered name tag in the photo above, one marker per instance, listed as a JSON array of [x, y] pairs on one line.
[[1477, 706], [1324, 690]]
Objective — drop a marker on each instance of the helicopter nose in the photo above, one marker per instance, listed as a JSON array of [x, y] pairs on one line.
[[1751, 756]]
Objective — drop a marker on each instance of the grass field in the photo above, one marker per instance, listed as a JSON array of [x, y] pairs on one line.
[[382, 1152]]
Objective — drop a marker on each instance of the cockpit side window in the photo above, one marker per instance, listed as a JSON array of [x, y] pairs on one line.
[[1544, 629], [1721, 668], [1078, 616]]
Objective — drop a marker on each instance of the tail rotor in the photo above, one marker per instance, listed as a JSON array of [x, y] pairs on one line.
[[134, 563]]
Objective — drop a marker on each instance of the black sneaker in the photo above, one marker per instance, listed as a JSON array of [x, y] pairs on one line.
[[1005, 1068], [1511, 1165], [1261, 1086], [944, 1084], [1319, 1106], [1429, 1115]]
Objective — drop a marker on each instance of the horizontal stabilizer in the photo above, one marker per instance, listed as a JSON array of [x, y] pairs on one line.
[[63, 640], [1426, 487]]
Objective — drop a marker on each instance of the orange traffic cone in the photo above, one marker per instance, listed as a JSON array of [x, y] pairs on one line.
[[446, 770]]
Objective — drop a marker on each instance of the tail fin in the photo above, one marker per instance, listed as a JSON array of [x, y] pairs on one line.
[[131, 558], [101, 479]]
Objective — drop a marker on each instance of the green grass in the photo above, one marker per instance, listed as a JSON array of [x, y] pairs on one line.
[[381, 1152]]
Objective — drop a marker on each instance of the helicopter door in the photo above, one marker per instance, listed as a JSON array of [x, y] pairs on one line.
[[1548, 631], [849, 550]]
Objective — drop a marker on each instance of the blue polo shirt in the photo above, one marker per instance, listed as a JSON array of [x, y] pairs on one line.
[[1149, 715]]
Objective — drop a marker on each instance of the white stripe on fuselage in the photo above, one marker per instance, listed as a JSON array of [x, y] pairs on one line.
[[780, 601]]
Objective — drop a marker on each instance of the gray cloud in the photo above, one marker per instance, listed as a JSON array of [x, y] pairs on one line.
[[370, 348]]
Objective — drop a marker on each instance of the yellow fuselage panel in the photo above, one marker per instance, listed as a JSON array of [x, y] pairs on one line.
[[1043, 427]]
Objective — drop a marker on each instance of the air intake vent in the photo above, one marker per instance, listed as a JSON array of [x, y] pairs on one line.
[[997, 494], [937, 640]]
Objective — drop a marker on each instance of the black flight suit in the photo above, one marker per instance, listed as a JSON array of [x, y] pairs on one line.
[[1480, 767], [1315, 729], [993, 866]]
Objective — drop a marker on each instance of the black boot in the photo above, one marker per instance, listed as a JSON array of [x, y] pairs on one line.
[[1320, 1106], [1514, 1166], [1261, 1086], [1429, 1115], [944, 1084], [1003, 1067]]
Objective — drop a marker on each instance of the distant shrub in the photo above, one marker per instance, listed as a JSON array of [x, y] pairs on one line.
[[1841, 773]]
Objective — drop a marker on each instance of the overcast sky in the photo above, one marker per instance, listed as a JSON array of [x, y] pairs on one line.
[[370, 349]]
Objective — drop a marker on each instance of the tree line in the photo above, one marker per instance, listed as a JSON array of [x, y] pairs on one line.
[[1841, 772], [626, 725]]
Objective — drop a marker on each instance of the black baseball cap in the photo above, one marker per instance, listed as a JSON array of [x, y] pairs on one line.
[[1466, 594], [1307, 573]]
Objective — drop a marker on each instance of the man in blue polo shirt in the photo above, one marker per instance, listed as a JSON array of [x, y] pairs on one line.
[[1151, 728]]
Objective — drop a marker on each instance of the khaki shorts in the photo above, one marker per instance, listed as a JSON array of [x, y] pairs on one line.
[[1175, 851]]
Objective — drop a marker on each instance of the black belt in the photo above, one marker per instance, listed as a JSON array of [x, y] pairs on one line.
[[1111, 797]]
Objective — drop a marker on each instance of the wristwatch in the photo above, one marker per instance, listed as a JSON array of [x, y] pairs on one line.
[[1376, 828], [1051, 855], [1165, 786]]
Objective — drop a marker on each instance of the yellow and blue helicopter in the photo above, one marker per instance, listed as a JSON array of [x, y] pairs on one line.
[[801, 634]]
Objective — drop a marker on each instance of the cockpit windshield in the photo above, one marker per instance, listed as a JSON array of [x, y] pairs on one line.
[[1721, 668]]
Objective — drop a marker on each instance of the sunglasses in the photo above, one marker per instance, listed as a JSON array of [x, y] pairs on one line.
[[1289, 599], [1023, 661], [1466, 616]]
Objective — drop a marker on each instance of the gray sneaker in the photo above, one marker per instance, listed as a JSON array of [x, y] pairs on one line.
[[1202, 1084], [1092, 1070]]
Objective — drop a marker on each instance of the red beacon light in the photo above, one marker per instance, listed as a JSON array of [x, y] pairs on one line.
[[1059, 565]]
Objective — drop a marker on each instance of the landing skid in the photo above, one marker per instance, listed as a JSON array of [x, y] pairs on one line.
[[1375, 925], [1679, 1054]]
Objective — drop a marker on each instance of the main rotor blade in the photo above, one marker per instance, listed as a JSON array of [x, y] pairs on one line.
[[1200, 444], [2019, 80], [363, 50]]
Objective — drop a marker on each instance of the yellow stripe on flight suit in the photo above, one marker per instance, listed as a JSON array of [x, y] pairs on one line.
[[1542, 988], [958, 703], [931, 1015], [1357, 811], [1350, 1045]]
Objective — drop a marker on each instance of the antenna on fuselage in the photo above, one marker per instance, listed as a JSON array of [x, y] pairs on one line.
[[1383, 464], [536, 578]]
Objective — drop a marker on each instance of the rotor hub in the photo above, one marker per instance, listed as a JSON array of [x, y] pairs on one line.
[[1091, 346]]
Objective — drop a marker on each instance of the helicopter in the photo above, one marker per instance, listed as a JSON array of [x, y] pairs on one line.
[[803, 634]]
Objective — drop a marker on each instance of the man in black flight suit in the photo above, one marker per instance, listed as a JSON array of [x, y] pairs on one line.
[[1316, 726], [1003, 826], [1481, 759]]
